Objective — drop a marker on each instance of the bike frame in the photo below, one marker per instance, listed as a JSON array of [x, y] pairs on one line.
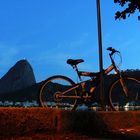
[[93, 76]]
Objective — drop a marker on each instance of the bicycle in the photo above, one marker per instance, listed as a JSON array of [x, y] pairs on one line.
[[61, 92]]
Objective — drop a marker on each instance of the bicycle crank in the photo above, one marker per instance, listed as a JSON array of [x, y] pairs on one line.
[[86, 97]]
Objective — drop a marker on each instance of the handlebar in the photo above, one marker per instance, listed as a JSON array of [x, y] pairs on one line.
[[111, 54], [112, 50]]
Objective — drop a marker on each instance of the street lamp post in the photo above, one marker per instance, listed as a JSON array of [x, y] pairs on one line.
[[100, 52]]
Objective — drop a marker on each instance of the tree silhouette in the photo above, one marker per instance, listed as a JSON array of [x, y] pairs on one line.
[[131, 6]]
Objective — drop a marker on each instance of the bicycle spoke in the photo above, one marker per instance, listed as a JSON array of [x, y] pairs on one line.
[[58, 92], [119, 100]]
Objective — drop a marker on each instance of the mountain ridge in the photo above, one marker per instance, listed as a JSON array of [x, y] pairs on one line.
[[19, 76]]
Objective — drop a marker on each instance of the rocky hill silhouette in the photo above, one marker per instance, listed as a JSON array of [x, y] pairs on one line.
[[18, 78]]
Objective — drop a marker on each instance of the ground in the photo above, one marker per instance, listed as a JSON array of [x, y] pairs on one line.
[[48, 124]]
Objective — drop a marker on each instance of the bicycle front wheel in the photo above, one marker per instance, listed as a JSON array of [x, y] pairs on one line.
[[52, 93], [119, 101]]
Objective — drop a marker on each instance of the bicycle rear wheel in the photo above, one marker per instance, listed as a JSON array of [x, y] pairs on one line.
[[52, 90], [121, 102]]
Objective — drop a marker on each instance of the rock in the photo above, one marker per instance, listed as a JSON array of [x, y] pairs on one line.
[[20, 76]]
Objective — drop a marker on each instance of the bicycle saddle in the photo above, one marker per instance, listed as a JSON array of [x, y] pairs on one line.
[[74, 62]]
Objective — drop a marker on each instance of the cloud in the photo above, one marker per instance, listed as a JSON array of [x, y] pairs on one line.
[[46, 59], [74, 49], [8, 55], [7, 58]]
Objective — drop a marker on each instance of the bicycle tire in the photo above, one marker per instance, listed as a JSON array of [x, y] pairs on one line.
[[49, 90], [117, 98]]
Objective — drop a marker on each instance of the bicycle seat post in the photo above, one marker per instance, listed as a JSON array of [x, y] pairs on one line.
[[76, 69]]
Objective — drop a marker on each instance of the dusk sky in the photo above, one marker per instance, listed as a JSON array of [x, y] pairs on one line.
[[48, 32]]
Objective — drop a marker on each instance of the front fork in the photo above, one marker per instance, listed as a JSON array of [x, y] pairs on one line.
[[125, 89]]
